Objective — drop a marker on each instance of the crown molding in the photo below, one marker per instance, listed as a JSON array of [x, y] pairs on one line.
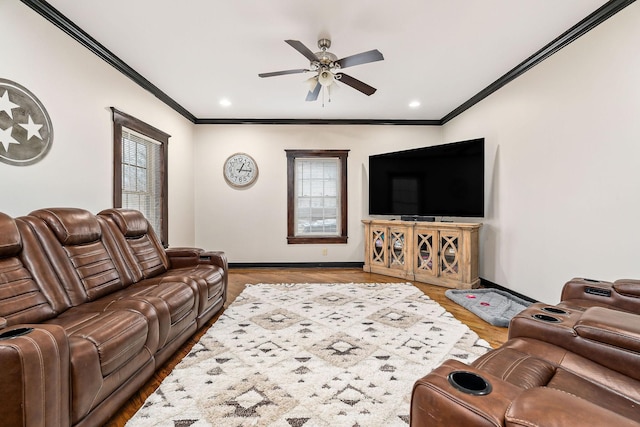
[[605, 12], [397, 122], [65, 24], [596, 18]]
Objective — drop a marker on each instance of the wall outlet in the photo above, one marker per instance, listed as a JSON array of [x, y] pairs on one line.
[[324, 251]]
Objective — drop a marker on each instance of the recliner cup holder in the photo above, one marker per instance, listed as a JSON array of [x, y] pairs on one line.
[[555, 310], [15, 333], [546, 318], [469, 382]]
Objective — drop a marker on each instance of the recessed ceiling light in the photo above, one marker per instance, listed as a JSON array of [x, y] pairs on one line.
[[414, 104], [225, 102]]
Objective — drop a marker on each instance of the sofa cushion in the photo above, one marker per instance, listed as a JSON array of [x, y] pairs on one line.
[[131, 229], [81, 259], [10, 242], [148, 261], [71, 226], [21, 300], [209, 274], [130, 222], [105, 348], [579, 384]]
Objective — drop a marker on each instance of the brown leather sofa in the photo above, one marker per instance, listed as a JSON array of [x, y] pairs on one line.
[[573, 364], [579, 294], [90, 306]]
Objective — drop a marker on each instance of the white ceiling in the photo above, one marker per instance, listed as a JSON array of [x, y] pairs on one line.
[[437, 52]]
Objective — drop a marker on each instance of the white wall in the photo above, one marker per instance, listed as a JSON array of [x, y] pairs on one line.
[[563, 143], [77, 89], [251, 224], [566, 139]]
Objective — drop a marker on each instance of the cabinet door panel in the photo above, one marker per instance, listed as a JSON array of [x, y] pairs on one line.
[[425, 256], [397, 248], [449, 260], [378, 247]]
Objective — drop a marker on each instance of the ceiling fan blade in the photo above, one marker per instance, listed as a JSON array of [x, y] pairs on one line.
[[281, 73], [300, 47], [360, 58], [356, 84], [313, 94]]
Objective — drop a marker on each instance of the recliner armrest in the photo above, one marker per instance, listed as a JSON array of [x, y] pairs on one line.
[[188, 257], [627, 287], [542, 406], [613, 328], [580, 294], [218, 258], [183, 257], [436, 402], [579, 288], [35, 375]]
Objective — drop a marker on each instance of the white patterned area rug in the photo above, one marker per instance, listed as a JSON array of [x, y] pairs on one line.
[[311, 355]]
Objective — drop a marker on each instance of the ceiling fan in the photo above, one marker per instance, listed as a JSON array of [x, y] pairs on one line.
[[328, 66]]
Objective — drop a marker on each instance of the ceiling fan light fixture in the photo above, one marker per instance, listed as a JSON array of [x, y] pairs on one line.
[[326, 78], [312, 82]]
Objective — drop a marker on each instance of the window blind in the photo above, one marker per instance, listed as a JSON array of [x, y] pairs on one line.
[[141, 176]]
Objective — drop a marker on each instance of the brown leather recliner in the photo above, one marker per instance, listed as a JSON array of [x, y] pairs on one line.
[[526, 382], [79, 331], [561, 366]]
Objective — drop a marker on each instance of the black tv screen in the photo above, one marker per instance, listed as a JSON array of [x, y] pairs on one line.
[[441, 180]]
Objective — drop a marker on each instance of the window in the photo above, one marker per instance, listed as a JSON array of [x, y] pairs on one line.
[[140, 170], [317, 196]]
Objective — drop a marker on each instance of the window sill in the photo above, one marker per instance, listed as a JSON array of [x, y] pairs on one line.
[[295, 240]]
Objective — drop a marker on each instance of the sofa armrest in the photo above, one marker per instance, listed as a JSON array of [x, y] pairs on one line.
[[183, 257], [436, 402], [627, 287], [187, 257], [218, 258], [579, 288], [542, 406], [584, 293], [612, 328], [34, 378]]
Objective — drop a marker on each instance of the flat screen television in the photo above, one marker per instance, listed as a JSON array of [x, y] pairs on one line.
[[441, 180]]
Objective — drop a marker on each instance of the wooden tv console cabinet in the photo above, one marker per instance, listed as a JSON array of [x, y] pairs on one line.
[[439, 253]]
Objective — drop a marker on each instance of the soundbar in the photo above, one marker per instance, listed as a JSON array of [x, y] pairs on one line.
[[420, 218]]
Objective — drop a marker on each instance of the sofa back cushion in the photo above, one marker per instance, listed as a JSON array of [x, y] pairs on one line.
[[88, 269], [133, 231], [21, 300]]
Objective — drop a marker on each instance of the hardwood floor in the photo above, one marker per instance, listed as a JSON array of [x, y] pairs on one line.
[[238, 278]]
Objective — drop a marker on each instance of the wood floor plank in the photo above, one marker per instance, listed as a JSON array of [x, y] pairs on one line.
[[239, 278]]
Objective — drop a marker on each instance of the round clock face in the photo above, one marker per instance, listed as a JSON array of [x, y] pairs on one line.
[[240, 170]]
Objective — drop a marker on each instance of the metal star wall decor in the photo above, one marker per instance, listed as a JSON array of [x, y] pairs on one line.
[[26, 132]]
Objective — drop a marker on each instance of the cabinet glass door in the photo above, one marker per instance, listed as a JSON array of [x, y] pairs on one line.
[[377, 247], [397, 249], [450, 254], [424, 257]]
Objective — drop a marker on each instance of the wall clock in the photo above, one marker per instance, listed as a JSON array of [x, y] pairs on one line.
[[240, 170]]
